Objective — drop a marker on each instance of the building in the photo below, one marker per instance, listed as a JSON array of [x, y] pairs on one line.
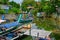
[[5, 7]]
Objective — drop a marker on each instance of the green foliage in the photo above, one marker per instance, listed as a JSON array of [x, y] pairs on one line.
[[2, 11], [58, 3], [15, 7], [4, 1], [48, 7], [34, 12], [26, 3], [27, 38], [14, 4], [56, 36], [15, 10], [45, 6], [46, 24]]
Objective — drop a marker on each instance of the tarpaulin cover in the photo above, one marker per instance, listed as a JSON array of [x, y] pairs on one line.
[[9, 25], [42, 39]]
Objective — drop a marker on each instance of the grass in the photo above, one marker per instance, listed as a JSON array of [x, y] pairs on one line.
[[28, 38], [25, 37]]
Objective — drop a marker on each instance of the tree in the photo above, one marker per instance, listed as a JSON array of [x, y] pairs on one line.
[[47, 7], [26, 3], [15, 10], [4, 1], [2, 11], [14, 4], [15, 7]]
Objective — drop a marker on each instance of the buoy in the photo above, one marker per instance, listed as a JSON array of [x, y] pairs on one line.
[[29, 26]]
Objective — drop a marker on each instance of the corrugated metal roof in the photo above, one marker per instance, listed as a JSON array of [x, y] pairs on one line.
[[34, 32]]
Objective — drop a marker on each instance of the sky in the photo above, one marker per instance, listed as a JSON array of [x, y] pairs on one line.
[[17, 1]]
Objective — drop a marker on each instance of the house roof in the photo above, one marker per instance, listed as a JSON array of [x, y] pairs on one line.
[[4, 6]]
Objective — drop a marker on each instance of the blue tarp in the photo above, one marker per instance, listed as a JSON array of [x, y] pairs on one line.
[[42, 39], [10, 35], [3, 17], [9, 25]]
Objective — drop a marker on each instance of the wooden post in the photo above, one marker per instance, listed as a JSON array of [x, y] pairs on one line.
[[37, 36], [30, 31]]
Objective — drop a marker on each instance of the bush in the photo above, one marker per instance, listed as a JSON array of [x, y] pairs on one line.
[[2, 11], [15, 10], [14, 4]]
